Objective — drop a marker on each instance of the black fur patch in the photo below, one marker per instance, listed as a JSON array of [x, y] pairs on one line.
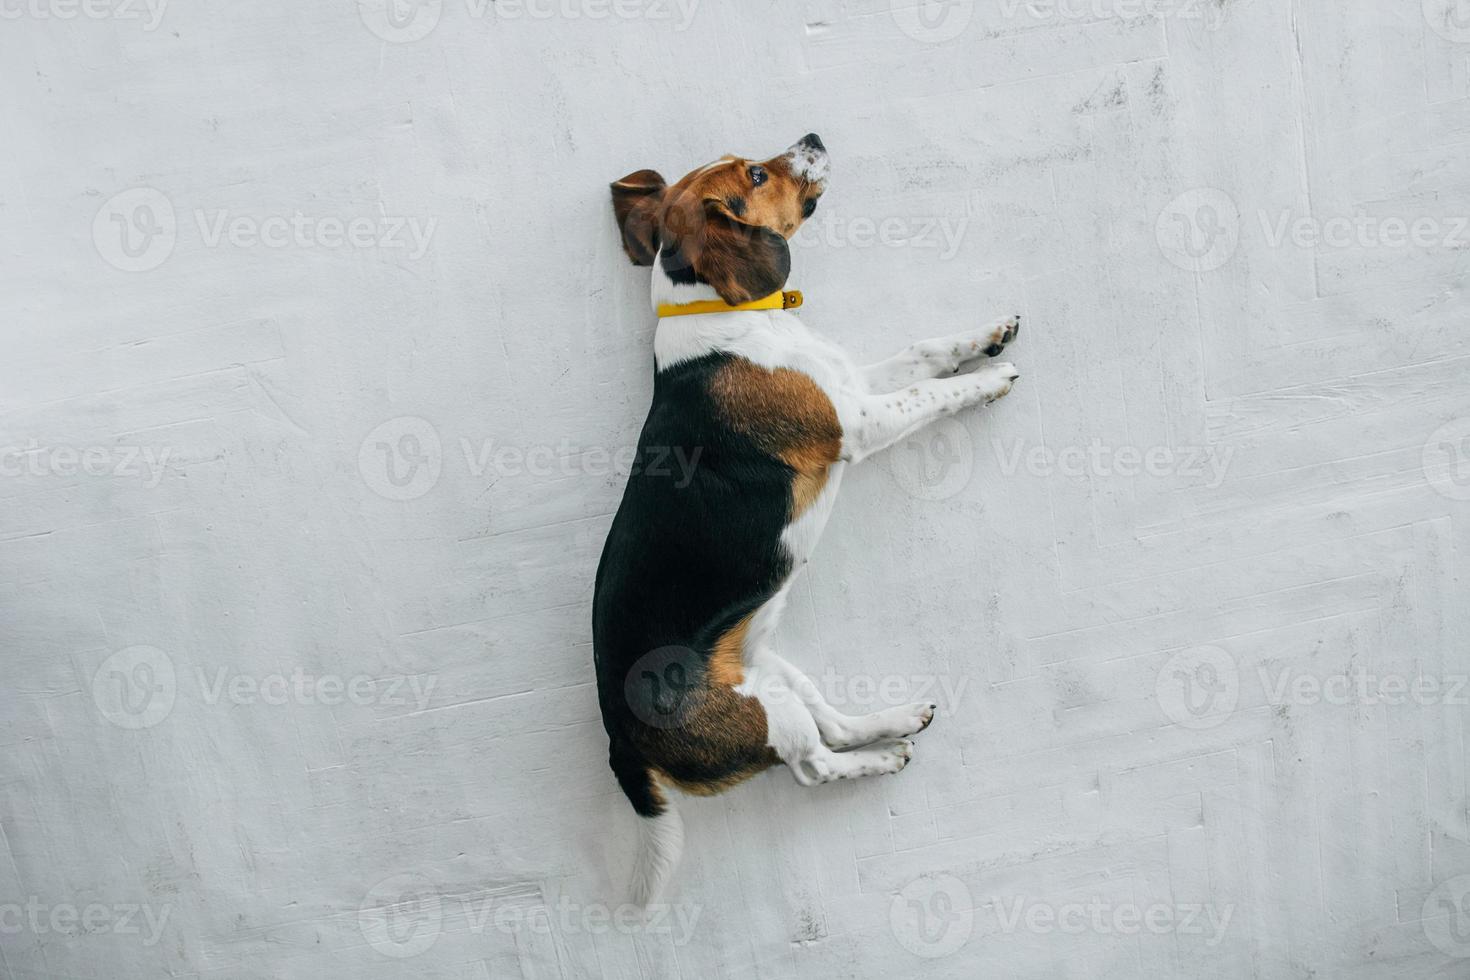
[[688, 556], [677, 265], [736, 205]]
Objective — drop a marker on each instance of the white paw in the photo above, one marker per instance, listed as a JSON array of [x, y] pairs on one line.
[[893, 756], [914, 718], [996, 380], [1001, 334], [986, 342], [906, 719]]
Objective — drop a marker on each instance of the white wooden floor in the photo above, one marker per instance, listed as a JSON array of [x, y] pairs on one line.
[[320, 368]]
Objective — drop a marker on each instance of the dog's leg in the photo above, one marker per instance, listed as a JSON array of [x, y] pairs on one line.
[[940, 356], [839, 731], [792, 733], [886, 419]]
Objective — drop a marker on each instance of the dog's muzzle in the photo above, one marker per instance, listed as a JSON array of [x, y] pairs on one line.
[[808, 158]]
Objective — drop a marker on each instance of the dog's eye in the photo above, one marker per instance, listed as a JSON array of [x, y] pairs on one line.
[[757, 175], [809, 207]]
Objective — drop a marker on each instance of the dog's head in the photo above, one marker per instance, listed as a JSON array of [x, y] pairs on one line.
[[725, 224]]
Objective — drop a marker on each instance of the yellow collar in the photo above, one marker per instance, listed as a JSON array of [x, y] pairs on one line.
[[789, 300]]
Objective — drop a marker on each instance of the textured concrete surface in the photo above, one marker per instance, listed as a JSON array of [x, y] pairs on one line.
[[320, 362]]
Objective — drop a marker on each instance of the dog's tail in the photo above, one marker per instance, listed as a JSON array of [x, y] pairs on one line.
[[660, 845], [660, 831]]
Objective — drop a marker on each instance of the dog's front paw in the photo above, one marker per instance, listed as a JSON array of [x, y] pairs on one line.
[[905, 719], [1001, 334], [995, 380]]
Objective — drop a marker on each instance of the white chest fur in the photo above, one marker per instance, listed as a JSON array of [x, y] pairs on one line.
[[771, 338]]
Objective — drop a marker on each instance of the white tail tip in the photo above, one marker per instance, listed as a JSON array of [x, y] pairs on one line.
[[661, 842]]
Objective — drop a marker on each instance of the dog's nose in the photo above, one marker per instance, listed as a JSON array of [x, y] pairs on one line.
[[808, 158]]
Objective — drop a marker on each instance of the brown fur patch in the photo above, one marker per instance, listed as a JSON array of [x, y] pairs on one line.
[[721, 742], [775, 204], [787, 415], [726, 664], [655, 790], [714, 787]]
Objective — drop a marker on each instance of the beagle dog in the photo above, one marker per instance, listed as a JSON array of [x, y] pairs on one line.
[[768, 414]]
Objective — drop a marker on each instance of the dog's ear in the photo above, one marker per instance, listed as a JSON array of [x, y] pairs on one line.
[[742, 262], [636, 202]]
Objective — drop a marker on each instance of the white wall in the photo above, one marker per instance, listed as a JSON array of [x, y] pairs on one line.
[[1070, 617]]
